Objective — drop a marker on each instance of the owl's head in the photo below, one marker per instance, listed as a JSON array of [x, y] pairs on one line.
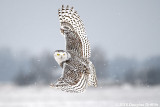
[[61, 55]]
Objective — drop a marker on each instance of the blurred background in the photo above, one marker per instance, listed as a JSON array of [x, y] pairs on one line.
[[125, 41]]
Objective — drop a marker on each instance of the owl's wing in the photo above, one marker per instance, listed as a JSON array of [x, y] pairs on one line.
[[92, 79], [72, 80], [73, 29]]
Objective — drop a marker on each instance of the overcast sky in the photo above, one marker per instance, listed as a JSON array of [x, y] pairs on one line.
[[129, 28]]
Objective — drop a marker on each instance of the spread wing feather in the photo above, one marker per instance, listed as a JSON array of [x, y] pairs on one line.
[[72, 81], [92, 79], [73, 29]]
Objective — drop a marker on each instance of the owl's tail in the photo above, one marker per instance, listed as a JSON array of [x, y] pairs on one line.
[[92, 79]]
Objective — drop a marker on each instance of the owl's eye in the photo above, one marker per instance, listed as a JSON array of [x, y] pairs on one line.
[[63, 54], [58, 54]]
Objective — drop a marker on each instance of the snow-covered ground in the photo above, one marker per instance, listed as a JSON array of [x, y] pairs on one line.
[[36, 96]]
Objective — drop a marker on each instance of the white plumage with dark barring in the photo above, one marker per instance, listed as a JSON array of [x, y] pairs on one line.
[[78, 70]]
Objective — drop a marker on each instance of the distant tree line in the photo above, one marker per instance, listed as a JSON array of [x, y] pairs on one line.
[[24, 69]]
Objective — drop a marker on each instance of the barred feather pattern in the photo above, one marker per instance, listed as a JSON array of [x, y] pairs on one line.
[[78, 70], [70, 19], [92, 79], [77, 88], [75, 75]]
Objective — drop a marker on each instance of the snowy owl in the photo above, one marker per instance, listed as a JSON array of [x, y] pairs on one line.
[[78, 70]]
